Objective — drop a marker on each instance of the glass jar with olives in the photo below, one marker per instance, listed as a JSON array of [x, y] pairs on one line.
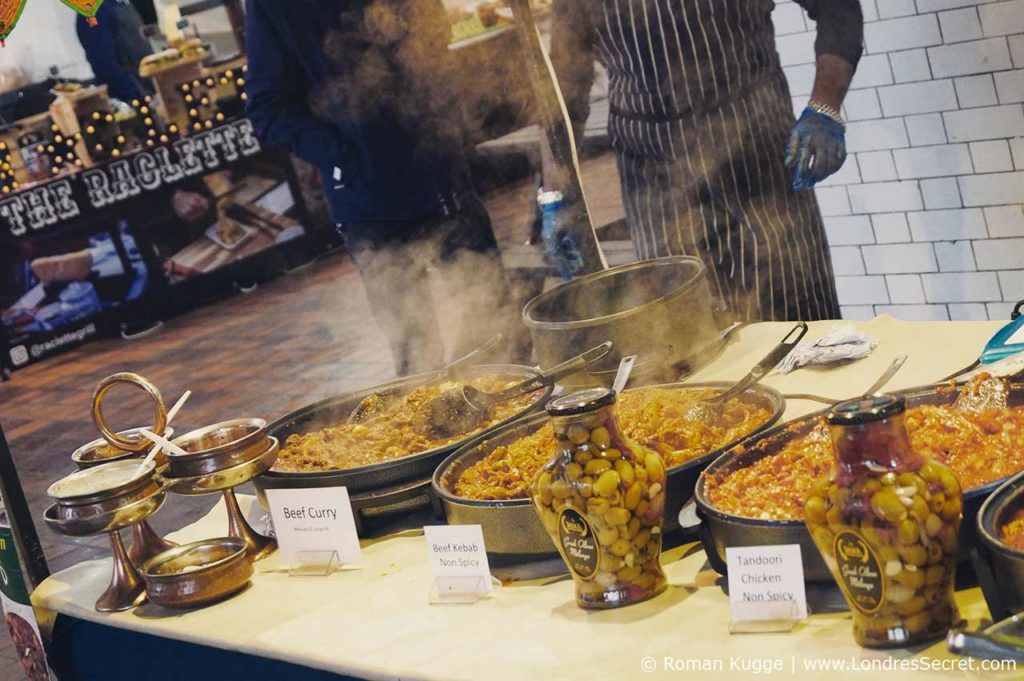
[[602, 499], [886, 522]]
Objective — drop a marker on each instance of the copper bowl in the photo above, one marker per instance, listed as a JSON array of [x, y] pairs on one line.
[[217, 447], [230, 477], [100, 451], [84, 494], [197, 574]]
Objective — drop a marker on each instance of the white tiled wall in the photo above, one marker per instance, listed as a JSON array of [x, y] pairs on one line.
[[925, 220]]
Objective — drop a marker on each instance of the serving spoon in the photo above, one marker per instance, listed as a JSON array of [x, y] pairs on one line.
[[710, 409], [375, 404], [879, 383], [461, 410]]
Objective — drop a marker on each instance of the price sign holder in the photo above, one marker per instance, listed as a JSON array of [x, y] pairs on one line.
[[314, 563], [460, 590], [758, 618]]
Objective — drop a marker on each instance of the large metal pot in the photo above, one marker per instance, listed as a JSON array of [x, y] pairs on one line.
[[658, 309], [719, 529]]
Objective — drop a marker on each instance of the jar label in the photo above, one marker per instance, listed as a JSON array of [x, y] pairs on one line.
[[579, 543], [860, 574]]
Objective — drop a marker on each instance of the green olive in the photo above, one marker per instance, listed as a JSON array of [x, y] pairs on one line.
[[585, 488], [560, 489], [628, 574], [655, 467], [887, 506], [607, 484], [597, 505], [907, 531], [582, 456], [936, 502], [578, 433], [597, 467], [949, 483], [607, 535], [814, 510], [915, 555], [625, 471], [574, 472], [952, 508], [934, 574], [934, 553], [919, 509], [619, 547], [611, 454], [617, 516], [933, 525], [912, 579], [867, 487], [915, 604], [834, 517], [633, 495], [949, 539], [930, 471], [600, 437]]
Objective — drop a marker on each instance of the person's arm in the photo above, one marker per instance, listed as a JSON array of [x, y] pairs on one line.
[[817, 145], [838, 46], [100, 47], [572, 56], [277, 97]]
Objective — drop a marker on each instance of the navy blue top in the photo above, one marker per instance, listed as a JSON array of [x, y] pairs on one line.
[[114, 48], [376, 161]]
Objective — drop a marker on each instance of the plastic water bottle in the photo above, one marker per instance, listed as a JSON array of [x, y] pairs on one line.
[[560, 249]]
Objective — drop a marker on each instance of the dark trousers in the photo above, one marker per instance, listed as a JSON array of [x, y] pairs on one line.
[[394, 261]]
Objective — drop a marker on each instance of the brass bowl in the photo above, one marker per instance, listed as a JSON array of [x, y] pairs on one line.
[[73, 503], [100, 451], [220, 446], [226, 478], [87, 523], [197, 574]]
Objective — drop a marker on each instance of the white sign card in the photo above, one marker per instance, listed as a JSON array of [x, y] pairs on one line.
[[457, 551], [771, 576], [314, 520]]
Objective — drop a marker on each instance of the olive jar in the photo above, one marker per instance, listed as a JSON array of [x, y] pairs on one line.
[[602, 499], [886, 522]]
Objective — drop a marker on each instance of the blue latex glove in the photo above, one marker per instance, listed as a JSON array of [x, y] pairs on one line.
[[816, 149]]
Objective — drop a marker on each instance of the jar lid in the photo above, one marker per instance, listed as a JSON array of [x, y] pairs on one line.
[[867, 409], [581, 402]]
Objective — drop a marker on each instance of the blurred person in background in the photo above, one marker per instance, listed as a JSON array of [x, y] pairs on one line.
[[114, 48], [359, 90], [711, 160]]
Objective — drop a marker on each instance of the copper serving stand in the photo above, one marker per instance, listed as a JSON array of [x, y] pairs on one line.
[[109, 510], [218, 458], [146, 543]]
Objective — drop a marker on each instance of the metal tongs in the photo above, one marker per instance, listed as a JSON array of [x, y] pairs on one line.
[[462, 410], [710, 409]]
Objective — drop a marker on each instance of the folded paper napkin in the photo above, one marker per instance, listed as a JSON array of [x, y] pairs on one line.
[[841, 342]]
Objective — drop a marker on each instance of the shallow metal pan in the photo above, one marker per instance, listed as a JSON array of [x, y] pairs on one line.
[[719, 529], [336, 410], [512, 529]]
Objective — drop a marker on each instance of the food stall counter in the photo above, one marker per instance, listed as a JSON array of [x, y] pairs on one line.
[[374, 620]]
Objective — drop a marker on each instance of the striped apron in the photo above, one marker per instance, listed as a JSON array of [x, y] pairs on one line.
[[700, 112]]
